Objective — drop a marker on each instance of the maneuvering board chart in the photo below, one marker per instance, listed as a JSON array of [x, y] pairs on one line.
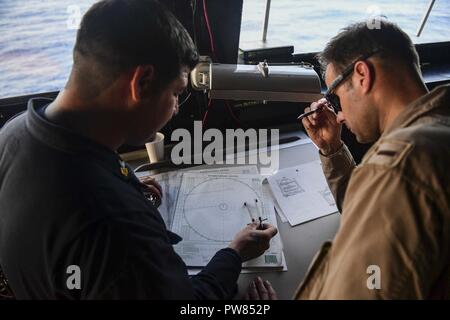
[[171, 182], [210, 211]]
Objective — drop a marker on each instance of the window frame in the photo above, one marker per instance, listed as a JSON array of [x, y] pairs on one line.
[[433, 58]]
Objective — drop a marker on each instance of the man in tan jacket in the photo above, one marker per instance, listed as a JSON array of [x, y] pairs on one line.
[[393, 242]]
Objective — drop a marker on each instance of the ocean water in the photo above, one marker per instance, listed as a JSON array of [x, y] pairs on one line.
[[37, 36], [309, 24]]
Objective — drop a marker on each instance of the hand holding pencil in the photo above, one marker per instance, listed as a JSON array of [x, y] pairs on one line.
[[251, 242], [322, 126]]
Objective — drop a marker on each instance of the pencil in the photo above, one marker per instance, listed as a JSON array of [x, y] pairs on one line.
[[300, 117], [259, 213], [249, 213]]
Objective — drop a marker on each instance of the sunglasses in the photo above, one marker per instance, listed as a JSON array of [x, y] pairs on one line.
[[333, 98]]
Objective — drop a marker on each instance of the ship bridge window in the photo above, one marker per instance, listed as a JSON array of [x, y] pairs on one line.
[[309, 24], [37, 37], [36, 42]]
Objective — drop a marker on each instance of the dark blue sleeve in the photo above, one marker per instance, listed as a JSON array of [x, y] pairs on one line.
[[130, 258], [218, 280]]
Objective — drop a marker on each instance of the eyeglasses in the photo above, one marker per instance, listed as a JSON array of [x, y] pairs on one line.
[[333, 98]]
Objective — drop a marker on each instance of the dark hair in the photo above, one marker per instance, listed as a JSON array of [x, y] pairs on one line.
[[391, 43], [116, 35]]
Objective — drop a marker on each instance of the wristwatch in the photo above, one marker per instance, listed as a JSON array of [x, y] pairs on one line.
[[153, 198]]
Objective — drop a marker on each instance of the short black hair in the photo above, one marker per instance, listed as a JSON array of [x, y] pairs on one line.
[[116, 35], [390, 42]]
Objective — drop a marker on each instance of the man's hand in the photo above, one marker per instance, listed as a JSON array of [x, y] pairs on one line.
[[323, 128], [260, 290], [250, 242], [152, 186]]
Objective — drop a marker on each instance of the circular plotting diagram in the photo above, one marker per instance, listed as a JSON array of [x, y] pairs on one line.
[[215, 209]]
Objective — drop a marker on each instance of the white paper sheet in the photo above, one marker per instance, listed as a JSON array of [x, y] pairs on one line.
[[171, 181], [193, 271], [210, 211], [275, 203], [302, 192]]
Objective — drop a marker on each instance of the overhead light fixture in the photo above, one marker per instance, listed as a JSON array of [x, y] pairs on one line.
[[262, 82]]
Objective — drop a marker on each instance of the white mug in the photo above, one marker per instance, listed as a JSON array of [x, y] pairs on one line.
[[155, 148]]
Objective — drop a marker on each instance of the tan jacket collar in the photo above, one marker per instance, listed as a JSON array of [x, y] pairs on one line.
[[435, 99]]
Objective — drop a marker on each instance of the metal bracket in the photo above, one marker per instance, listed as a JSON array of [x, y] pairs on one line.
[[263, 67]]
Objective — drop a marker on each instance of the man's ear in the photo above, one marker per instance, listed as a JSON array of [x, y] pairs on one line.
[[141, 81], [365, 75]]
